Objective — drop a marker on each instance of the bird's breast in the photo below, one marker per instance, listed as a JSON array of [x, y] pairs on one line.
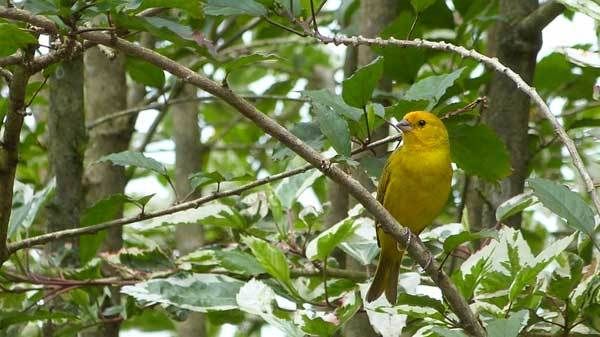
[[418, 189]]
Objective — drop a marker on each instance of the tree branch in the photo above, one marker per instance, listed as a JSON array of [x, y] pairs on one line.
[[541, 17], [9, 150], [135, 110], [64, 234]]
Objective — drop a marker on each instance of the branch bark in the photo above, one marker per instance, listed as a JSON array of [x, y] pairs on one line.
[[540, 18], [9, 150]]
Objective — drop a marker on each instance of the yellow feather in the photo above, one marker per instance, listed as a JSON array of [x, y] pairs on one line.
[[414, 187]]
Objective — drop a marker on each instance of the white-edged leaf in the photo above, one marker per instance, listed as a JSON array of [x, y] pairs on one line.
[[195, 292], [515, 205]]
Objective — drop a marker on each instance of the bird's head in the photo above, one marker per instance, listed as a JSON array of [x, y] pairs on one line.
[[423, 129]]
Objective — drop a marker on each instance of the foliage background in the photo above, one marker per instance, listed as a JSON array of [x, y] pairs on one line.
[[292, 254]]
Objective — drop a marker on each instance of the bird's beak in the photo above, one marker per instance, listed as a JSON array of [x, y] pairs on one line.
[[404, 125]]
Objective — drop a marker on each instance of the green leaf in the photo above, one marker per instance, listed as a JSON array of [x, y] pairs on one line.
[[334, 127], [104, 210], [421, 5], [12, 38], [564, 203], [8, 318], [445, 332], [192, 7], [453, 241], [145, 260], [478, 151], [234, 7], [246, 60], [334, 102], [401, 64], [38, 7], [239, 262], [584, 123], [24, 216], [145, 73], [321, 247], [508, 327], [358, 88], [195, 292], [432, 88], [528, 273], [290, 188], [515, 205], [201, 179], [308, 132], [272, 259], [137, 159]]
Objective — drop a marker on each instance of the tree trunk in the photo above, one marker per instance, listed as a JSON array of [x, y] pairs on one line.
[[188, 160], [508, 113], [66, 135], [375, 15], [106, 93]]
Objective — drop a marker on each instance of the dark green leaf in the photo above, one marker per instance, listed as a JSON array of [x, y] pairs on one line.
[[137, 159], [584, 123], [192, 7], [334, 102], [310, 133], [334, 127], [234, 7], [104, 210], [564, 203], [421, 5], [12, 38], [478, 151], [8, 318], [145, 73], [200, 179], [358, 88], [145, 260], [432, 88]]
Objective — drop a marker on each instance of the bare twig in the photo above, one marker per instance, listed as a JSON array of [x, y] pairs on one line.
[[134, 110], [64, 234]]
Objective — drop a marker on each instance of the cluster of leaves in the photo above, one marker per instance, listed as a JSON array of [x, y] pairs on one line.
[[269, 257]]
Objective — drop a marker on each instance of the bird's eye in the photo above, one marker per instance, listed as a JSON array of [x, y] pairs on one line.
[[422, 123]]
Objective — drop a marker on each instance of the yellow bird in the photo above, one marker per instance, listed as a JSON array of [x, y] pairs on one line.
[[414, 187]]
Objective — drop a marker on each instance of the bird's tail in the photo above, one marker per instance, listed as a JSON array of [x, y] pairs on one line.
[[386, 278]]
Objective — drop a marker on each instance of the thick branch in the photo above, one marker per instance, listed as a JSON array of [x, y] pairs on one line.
[[9, 150], [24, 16], [541, 17]]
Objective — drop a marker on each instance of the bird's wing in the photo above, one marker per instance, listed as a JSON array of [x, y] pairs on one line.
[[381, 188]]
